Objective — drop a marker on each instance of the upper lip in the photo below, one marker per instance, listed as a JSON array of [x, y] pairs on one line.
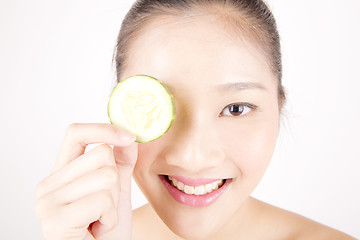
[[194, 181]]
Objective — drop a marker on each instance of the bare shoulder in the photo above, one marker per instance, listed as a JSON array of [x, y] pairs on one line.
[[139, 224], [274, 222], [295, 226], [146, 224]]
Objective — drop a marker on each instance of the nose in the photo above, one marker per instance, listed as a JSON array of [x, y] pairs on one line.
[[194, 146]]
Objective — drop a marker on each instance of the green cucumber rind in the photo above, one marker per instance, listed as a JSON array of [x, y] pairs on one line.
[[168, 92]]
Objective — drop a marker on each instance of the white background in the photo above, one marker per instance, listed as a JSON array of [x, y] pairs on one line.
[[56, 68]]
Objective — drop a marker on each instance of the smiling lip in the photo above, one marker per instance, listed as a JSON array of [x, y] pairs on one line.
[[194, 200]]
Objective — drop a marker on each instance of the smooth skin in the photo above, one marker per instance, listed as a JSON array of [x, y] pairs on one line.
[[91, 187], [196, 59]]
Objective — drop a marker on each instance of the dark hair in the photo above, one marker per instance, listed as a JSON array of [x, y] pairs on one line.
[[252, 17]]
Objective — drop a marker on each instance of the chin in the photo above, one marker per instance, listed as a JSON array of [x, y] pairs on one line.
[[194, 223]]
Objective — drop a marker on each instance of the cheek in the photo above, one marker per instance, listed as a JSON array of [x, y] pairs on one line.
[[147, 155], [249, 146], [141, 171]]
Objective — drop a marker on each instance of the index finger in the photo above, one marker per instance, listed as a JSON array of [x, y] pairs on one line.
[[79, 135]]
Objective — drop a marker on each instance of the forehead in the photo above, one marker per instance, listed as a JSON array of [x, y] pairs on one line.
[[195, 49]]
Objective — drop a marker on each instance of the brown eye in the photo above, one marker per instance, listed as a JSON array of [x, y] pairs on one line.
[[237, 109]]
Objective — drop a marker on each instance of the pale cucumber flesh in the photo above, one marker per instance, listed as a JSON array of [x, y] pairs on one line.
[[142, 105]]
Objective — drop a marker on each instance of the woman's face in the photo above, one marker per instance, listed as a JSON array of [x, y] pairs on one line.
[[226, 124]]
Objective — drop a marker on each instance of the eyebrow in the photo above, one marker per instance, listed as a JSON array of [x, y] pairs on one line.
[[238, 86]]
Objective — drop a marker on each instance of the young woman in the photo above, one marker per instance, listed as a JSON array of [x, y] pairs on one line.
[[221, 61]]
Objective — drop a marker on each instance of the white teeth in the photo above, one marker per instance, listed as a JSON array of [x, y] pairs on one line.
[[198, 190], [174, 181], [214, 185], [189, 190], [208, 188], [180, 186]]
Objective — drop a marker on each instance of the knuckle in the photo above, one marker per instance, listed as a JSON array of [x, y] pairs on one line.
[[106, 199], [112, 128], [40, 208], [106, 153], [109, 174], [48, 229], [45, 207], [42, 187], [72, 128]]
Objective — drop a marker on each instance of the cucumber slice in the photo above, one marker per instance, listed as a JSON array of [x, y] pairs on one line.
[[143, 106]]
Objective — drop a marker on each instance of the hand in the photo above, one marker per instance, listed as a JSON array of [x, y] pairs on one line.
[[87, 195]]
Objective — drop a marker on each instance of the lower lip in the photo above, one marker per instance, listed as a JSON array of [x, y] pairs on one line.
[[194, 200]]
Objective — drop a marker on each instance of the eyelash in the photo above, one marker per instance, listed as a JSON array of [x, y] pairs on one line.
[[242, 105]]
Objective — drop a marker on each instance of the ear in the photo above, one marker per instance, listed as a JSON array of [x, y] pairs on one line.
[[282, 96]]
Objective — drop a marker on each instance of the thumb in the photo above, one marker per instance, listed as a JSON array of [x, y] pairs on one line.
[[125, 158]]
